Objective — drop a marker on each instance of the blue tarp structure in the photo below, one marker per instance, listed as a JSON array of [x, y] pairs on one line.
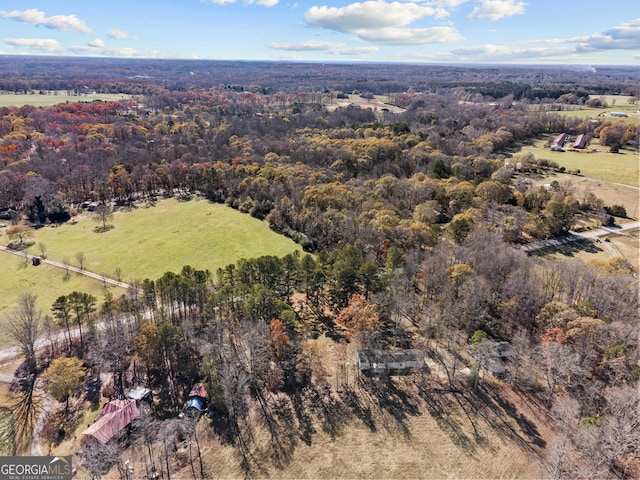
[[195, 403]]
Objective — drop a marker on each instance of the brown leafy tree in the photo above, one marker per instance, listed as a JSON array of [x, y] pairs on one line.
[[358, 318]]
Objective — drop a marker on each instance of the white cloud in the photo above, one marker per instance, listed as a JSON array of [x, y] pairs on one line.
[[378, 21], [97, 43], [497, 9], [117, 34], [368, 15], [122, 52], [624, 37], [506, 52], [44, 45], [311, 45], [411, 36], [34, 16], [336, 48]]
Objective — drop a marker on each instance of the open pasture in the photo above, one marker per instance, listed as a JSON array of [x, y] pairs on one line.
[[18, 277], [47, 99], [620, 167], [148, 241]]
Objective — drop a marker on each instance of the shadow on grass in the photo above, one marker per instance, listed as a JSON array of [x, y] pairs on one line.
[[442, 405], [103, 228], [569, 249], [504, 413], [394, 403]]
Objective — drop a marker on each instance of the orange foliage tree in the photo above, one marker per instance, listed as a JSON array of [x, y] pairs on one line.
[[358, 317]]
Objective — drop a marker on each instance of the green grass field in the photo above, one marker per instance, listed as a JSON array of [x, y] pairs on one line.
[[46, 282], [145, 242], [620, 167], [148, 241], [47, 100]]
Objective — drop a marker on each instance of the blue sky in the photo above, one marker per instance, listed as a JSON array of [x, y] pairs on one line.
[[433, 31]]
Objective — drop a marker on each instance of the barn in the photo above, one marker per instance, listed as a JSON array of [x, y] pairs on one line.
[[580, 141], [115, 416]]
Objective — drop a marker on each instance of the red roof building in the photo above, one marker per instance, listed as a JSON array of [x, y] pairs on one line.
[[115, 416]]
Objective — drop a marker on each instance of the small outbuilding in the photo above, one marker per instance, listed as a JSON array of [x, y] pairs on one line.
[[560, 140], [139, 394], [35, 261], [197, 399], [393, 362]]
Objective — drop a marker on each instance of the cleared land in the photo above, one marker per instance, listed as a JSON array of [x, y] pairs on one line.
[[378, 103], [610, 193], [615, 103], [48, 99], [148, 241], [620, 167], [46, 282]]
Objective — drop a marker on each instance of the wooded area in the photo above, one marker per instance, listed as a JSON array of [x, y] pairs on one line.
[[411, 225]]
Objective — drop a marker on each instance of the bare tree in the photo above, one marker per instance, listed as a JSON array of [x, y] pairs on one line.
[[102, 215], [97, 457], [80, 257], [26, 326]]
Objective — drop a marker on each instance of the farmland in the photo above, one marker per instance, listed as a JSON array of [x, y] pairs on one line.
[[620, 167], [18, 276], [47, 99], [144, 243], [151, 240], [418, 221]]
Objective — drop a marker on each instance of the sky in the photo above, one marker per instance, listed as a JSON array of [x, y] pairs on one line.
[[564, 32]]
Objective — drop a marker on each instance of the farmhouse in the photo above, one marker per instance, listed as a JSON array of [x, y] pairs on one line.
[[392, 362]]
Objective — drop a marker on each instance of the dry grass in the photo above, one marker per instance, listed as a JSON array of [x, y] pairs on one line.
[[610, 193], [49, 98], [407, 428]]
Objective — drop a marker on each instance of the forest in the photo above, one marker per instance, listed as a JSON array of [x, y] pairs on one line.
[[411, 225]]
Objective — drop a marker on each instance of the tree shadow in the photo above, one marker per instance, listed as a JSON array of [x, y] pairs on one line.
[[103, 228], [329, 410], [283, 438], [306, 430], [362, 412], [442, 405], [396, 403], [503, 410]]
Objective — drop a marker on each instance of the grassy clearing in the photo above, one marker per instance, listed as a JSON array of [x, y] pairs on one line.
[[620, 167], [48, 283], [148, 241], [615, 103], [53, 98]]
